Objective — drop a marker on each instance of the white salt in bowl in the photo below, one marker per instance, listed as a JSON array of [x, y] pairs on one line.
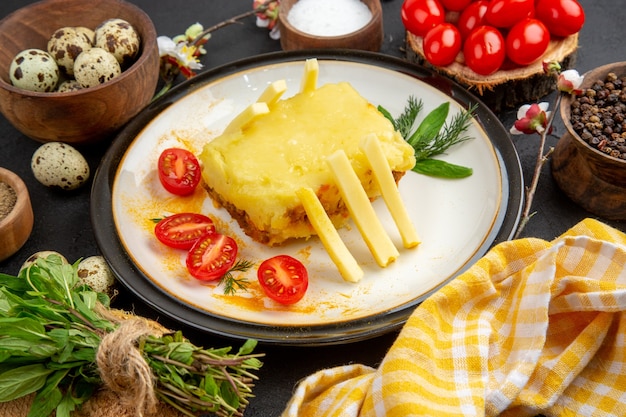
[[340, 28]]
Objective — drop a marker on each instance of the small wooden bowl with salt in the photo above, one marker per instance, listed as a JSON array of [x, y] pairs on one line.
[[16, 213], [325, 24]]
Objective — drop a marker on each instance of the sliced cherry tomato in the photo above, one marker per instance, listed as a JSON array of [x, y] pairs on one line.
[[506, 13], [212, 256], [484, 50], [182, 230], [527, 41], [455, 5], [419, 16], [179, 171], [561, 17], [442, 44], [472, 17], [283, 278]]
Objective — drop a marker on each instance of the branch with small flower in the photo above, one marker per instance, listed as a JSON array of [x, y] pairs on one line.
[[181, 54], [536, 118]]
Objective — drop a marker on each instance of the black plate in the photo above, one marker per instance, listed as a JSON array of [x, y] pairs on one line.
[[133, 278]]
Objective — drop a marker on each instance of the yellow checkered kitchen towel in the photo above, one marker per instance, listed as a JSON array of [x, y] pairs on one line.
[[534, 327]]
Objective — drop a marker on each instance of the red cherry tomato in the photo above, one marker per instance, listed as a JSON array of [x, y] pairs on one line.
[[182, 230], [472, 17], [179, 171], [455, 5], [506, 13], [211, 257], [561, 17], [419, 16], [283, 278], [442, 44], [484, 50], [527, 41]]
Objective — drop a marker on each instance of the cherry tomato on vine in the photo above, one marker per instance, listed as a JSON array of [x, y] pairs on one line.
[[211, 257], [527, 41], [506, 13], [182, 230], [472, 17], [484, 50], [283, 278], [179, 171], [442, 44], [561, 17], [455, 5], [419, 16]]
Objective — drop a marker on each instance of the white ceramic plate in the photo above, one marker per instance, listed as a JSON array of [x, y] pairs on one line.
[[457, 220]]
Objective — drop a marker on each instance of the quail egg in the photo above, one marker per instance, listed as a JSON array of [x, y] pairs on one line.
[[69, 85], [87, 33], [95, 66], [95, 272], [119, 38], [59, 165], [34, 70], [65, 45], [44, 254]]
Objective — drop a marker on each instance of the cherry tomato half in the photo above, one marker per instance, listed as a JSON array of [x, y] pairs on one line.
[[179, 171], [455, 5], [527, 41], [484, 50], [419, 16], [211, 257], [182, 230], [472, 17], [283, 278], [561, 17], [442, 44], [506, 13]]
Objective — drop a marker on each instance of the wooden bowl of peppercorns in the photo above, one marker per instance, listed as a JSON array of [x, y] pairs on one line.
[[16, 213], [589, 160]]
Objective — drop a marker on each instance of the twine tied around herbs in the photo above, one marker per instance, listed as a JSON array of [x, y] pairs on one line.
[[122, 368]]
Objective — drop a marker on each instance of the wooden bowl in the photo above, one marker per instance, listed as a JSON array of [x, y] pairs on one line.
[[591, 178], [87, 115], [368, 38], [16, 226]]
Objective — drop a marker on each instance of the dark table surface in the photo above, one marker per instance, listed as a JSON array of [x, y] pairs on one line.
[[62, 220]]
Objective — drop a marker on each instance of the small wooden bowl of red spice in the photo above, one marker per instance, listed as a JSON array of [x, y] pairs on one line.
[[16, 213], [324, 24]]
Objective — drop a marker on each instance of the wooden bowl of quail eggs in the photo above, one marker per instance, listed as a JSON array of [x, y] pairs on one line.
[[76, 71]]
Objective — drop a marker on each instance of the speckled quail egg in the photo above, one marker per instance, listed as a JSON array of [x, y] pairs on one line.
[[69, 85], [65, 45], [59, 165], [87, 33], [95, 66], [95, 272], [44, 254], [34, 70], [119, 38]]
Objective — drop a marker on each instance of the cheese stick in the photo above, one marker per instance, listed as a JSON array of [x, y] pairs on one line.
[[246, 117], [309, 79], [361, 210], [272, 93], [370, 145], [336, 248]]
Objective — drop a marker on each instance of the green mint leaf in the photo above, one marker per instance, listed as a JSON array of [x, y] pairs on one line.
[[430, 126], [23, 380], [442, 169], [248, 347], [45, 402]]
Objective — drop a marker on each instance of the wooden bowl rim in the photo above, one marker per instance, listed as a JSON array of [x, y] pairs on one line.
[[143, 56], [565, 108], [376, 9], [23, 198]]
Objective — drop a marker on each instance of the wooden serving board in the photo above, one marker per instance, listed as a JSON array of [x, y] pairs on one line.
[[508, 87]]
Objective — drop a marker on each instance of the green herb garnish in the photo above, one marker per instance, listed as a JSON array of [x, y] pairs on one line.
[[433, 136], [51, 329], [232, 284]]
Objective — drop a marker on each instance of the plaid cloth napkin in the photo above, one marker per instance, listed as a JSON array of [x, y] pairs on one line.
[[534, 327]]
